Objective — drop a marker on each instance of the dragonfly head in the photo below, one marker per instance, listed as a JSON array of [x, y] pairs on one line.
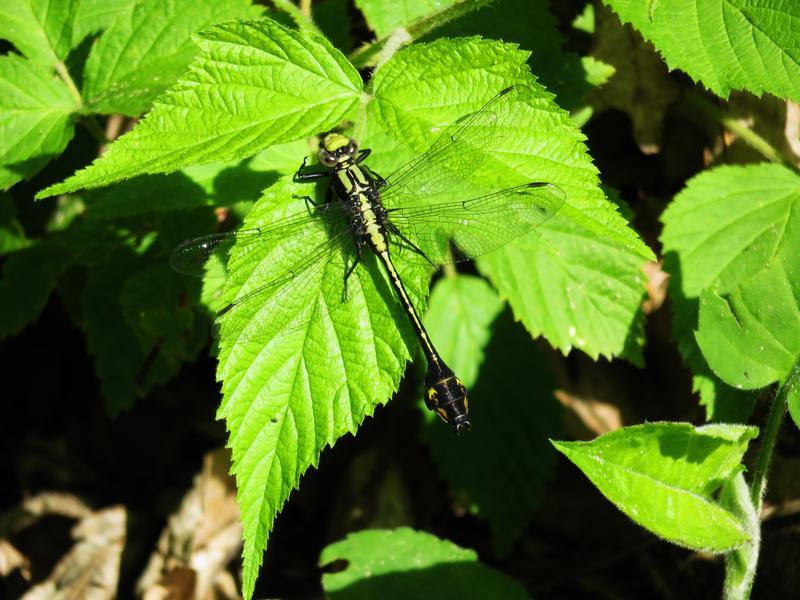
[[447, 397], [335, 148]]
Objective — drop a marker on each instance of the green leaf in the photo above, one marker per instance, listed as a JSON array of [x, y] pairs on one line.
[[384, 17], [460, 314], [740, 564], [579, 283], [35, 118], [41, 29], [725, 44], [147, 48], [530, 24], [793, 396], [752, 337], [662, 475], [253, 84], [29, 276], [725, 226], [404, 563], [12, 235], [95, 15], [137, 328], [502, 466], [286, 398]]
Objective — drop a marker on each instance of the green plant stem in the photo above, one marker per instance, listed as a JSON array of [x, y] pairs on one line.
[[774, 420], [373, 53], [747, 135], [300, 15], [61, 69]]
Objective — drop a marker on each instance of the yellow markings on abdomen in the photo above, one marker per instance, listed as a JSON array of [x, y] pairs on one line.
[[377, 239]]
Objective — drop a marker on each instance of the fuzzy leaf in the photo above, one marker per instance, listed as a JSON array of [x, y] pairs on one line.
[[12, 234], [146, 49], [404, 563], [35, 118], [286, 398], [724, 227], [752, 338], [28, 277], [725, 44], [662, 475], [252, 85], [582, 294]]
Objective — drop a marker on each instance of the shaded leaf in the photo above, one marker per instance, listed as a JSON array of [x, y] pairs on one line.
[[502, 466], [29, 276], [725, 44]]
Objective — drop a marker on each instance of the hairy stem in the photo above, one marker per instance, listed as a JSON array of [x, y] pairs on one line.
[[776, 413]]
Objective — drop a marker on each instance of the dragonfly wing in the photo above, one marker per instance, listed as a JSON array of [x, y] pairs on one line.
[[454, 231], [459, 151], [208, 256], [307, 291]]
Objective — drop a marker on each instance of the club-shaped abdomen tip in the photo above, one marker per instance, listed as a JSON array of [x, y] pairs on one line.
[[447, 397]]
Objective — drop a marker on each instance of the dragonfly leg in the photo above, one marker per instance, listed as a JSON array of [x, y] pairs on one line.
[[301, 177], [362, 155], [359, 239], [414, 248]]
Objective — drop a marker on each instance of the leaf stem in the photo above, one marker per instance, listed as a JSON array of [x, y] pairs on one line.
[[776, 413], [62, 71], [379, 51], [750, 137]]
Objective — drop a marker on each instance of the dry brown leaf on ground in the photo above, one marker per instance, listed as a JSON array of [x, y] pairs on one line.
[[90, 570], [200, 539], [657, 282], [12, 559]]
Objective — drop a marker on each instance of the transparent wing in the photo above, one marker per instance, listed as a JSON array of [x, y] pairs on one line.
[[311, 289], [316, 245], [475, 227], [458, 152], [207, 256]]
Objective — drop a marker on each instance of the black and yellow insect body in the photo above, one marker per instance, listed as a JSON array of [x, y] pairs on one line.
[[414, 214], [358, 189]]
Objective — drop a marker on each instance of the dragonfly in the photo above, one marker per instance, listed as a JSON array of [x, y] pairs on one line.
[[410, 213]]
